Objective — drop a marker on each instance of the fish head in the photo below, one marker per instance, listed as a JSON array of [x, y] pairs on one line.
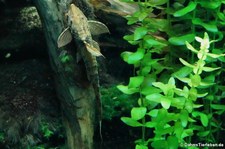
[[75, 14]]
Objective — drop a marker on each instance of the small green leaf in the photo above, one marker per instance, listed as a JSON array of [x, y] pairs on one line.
[[149, 41], [141, 147], [130, 39], [156, 97], [202, 95], [195, 80], [185, 80], [183, 72], [159, 144], [210, 4], [147, 90], [189, 106], [209, 69], [133, 58], [181, 40], [135, 81], [138, 113], [131, 122], [217, 107], [203, 134], [193, 94], [153, 113], [208, 26], [187, 132], [150, 124], [184, 117], [204, 119], [215, 55], [190, 7], [186, 63], [142, 15], [172, 142], [140, 32], [127, 90], [157, 2], [190, 47], [165, 102]]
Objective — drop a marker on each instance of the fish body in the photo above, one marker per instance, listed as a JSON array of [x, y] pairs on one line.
[[82, 30]]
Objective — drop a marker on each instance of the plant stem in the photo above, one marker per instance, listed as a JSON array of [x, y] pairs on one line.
[[143, 121], [193, 32]]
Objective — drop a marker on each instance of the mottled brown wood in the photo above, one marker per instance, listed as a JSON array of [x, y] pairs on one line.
[[75, 92]]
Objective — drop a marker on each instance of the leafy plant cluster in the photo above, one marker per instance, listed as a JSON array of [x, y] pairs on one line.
[[179, 87]]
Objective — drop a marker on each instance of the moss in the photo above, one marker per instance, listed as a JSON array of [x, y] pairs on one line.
[[115, 103], [29, 19]]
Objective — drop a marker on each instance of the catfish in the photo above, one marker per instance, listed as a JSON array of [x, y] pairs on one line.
[[82, 29]]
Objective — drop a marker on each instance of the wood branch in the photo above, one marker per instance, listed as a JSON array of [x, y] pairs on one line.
[[77, 102]]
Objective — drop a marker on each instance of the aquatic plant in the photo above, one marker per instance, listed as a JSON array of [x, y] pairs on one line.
[[2, 137], [176, 102], [115, 103]]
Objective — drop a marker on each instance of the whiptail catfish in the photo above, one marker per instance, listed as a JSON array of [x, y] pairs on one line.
[[82, 29]]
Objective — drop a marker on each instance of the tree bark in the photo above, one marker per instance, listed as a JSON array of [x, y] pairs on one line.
[[77, 99]]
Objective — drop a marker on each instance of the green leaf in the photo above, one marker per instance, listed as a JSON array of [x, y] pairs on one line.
[[172, 142], [185, 80], [142, 15], [157, 2], [215, 55], [131, 122], [138, 113], [156, 97], [195, 80], [181, 40], [171, 81], [165, 102], [204, 119], [159, 144], [141, 147], [159, 24], [133, 58], [197, 106], [140, 32], [209, 69], [190, 47], [153, 113], [187, 132], [150, 124], [149, 41], [135, 81], [145, 70], [130, 39], [147, 90], [183, 72], [190, 7], [217, 107], [208, 26], [210, 4], [186, 63], [189, 106], [180, 92], [193, 94], [203, 134], [127, 90], [184, 117]]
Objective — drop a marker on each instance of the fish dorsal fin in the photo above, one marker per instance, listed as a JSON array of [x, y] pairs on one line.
[[94, 50], [97, 28], [64, 38]]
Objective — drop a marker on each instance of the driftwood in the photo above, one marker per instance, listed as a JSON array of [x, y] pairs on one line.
[[77, 103], [76, 93]]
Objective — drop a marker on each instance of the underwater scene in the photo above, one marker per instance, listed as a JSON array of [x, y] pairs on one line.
[[112, 74]]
